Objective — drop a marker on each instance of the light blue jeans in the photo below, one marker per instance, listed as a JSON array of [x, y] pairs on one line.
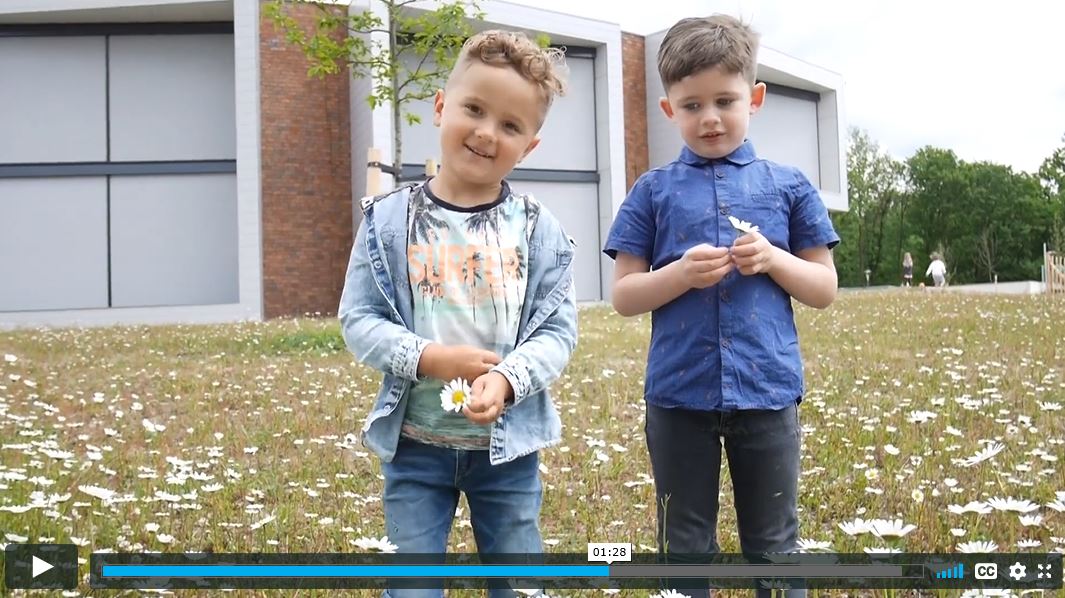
[[422, 486]]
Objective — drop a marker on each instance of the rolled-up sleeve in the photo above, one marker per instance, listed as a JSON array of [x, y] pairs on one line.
[[633, 230]]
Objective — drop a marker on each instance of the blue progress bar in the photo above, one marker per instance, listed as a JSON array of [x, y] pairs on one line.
[[370, 571]]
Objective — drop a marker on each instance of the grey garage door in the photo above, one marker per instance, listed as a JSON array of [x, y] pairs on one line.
[[785, 130], [117, 162]]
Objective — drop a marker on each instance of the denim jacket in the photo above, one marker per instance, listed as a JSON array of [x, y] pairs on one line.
[[377, 318]]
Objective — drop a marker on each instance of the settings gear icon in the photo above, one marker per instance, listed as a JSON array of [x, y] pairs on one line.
[[1018, 571]]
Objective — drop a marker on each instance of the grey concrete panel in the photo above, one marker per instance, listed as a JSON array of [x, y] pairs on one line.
[[576, 205], [52, 100], [785, 131], [172, 97], [174, 240], [53, 244]]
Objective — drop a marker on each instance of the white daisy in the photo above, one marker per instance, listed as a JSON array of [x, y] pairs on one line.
[[856, 527], [1031, 520], [670, 593], [374, 544], [957, 532], [1029, 543], [10, 358], [890, 527], [1012, 504], [455, 395], [18, 509], [920, 417], [881, 550], [262, 522], [972, 507], [1049, 406], [977, 546], [891, 449], [743, 225], [806, 545], [98, 492], [982, 455], [1057, 505]]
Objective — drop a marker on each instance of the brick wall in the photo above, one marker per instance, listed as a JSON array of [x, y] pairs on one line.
[[635, 93], [306, 179]]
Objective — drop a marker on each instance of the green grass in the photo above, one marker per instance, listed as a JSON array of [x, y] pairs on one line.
[[257, 421]]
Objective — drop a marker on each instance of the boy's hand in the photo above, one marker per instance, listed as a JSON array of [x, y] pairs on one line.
[[447, 362], [753, 253], [705, 265], [489, 393]]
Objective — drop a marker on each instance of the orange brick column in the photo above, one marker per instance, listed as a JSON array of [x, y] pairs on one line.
[[306, 179]]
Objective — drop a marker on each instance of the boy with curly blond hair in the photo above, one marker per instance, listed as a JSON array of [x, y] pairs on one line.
[[461, 291]]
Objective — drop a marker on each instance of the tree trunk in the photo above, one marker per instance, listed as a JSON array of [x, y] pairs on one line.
[[397, 123]]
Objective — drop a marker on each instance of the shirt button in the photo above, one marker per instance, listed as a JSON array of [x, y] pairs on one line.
[[723, 210], [720, 174], [724, 296], [726, 343]]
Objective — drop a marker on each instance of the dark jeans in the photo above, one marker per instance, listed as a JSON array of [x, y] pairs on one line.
[[763, 449]]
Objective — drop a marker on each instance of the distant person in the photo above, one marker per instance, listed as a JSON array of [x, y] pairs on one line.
[[907, 270], [937, 270]]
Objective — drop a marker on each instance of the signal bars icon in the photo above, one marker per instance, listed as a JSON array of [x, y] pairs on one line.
[[955, 572]]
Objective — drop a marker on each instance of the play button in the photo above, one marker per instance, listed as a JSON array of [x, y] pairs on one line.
[[41, 566]]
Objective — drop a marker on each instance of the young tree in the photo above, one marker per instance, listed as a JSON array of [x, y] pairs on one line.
[[429, 40], [873, 186]]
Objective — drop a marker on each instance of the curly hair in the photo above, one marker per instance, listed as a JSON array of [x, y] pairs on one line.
[[544, 67]]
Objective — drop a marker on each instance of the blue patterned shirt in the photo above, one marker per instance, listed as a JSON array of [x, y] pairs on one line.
[[733, 345]]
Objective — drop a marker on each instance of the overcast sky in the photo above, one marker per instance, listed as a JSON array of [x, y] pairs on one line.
[[985, 81]]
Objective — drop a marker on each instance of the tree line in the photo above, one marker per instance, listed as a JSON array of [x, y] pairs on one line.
[[984, 219]]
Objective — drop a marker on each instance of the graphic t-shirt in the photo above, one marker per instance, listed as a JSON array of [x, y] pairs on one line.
[[467, 269]]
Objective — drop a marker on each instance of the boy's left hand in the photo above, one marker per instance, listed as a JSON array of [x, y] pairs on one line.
[[752, 253], [489, 392]]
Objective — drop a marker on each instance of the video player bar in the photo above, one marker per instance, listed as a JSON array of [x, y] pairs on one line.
[[375, 571]]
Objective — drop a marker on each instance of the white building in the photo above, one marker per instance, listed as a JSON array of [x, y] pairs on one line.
[[169, 160]]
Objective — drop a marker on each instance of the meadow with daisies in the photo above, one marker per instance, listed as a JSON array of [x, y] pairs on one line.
[[932, 423]]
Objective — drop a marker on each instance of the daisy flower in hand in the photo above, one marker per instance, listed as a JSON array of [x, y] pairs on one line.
[[743, 225], [455, 395]]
